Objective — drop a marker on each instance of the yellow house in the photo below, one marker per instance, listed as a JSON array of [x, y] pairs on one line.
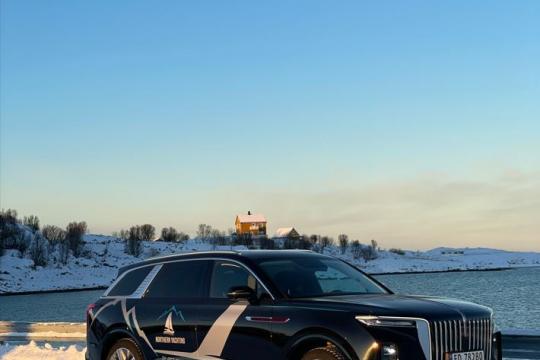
[[254, 224]]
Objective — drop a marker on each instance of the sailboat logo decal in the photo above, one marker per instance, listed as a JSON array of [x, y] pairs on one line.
[[169, 330]]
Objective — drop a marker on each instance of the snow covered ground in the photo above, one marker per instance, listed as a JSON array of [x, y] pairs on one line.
[[447, 259], [104, 255], [33, 351]]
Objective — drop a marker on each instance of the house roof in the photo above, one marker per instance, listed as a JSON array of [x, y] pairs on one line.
[[283, 232], [253, 218]]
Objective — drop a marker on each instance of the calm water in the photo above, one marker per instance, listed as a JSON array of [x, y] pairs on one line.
[[66, 306], [513, 294]]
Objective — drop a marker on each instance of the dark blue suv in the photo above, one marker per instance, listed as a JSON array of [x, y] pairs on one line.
[[271, 305]]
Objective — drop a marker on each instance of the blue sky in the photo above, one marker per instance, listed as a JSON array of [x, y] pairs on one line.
[[331, 116]]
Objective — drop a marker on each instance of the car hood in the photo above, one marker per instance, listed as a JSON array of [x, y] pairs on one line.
[[427, 307]]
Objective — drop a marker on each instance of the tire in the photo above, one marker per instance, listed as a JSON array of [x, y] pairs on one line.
[[125, 349], [324, 353]]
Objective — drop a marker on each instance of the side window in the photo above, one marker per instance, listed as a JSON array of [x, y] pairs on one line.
[[182, 279], [130, 282], [226, 275]]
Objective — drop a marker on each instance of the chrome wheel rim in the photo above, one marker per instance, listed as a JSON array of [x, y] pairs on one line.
[[122, 354]]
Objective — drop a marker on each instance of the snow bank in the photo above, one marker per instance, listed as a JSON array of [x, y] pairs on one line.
[[32, 351], [104, 255], [45, 335]]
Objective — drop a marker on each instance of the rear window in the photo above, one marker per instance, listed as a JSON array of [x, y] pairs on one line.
[[130, 282], [183, 279]]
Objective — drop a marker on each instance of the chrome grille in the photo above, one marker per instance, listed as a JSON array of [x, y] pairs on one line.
[[458, 335]]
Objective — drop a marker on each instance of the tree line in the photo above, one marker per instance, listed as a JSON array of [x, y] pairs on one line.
[[136, 235], [42, 245], [52, 243]]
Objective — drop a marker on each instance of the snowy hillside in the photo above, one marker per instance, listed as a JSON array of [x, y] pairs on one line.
[[104, 255], [446, 259]]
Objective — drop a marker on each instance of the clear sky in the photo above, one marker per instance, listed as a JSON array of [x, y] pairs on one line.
[[416, 123]]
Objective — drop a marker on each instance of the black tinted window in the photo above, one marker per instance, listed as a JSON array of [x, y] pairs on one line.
[[226, 275], [130, 282], [183, 279]]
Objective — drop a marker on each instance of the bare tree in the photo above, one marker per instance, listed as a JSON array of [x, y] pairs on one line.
[[314, 241], [169, 234], [53, 233], [74, 236], [343, 243], [183, 237], [134, 241], [374, 246], [123, 234], [8, 216], [304, 243], [397, 251], [38, 250], [325, 242], [373, 250], [356, 249], [369, 252], [204, 231], [32, 222], [148, 232], [216, 238], [10, 232], [21, 240], [63, 251]]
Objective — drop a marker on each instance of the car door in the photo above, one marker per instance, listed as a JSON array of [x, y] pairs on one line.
[[235, 329], [168, 313]]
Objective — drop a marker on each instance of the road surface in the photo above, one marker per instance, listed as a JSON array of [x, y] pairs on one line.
[[514, 347]]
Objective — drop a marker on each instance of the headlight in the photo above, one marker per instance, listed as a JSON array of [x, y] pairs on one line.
[[385, 321], [390, 352], [496, 346]]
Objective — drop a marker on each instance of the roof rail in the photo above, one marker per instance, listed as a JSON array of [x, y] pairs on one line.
[[194, 253]]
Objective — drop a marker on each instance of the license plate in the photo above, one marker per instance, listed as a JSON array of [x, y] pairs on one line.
[[470, 355]]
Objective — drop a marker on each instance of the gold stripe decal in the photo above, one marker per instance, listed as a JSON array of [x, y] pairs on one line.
[[214, 341], [217, 336]]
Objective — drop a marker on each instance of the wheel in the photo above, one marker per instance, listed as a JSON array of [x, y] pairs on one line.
[[324, 353], [125, 349]]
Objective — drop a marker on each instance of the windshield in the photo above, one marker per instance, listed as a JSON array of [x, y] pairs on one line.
[[299, 277]]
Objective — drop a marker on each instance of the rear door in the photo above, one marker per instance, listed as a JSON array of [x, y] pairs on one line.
[[168, 313], [235, 329]]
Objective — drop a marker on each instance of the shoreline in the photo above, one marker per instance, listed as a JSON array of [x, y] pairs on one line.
[[447, 271], [53, 291]]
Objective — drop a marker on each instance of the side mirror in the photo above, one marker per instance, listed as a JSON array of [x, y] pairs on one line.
[[241, 293]]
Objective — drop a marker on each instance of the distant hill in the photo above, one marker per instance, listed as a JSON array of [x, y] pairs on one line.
[[104, 255]]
